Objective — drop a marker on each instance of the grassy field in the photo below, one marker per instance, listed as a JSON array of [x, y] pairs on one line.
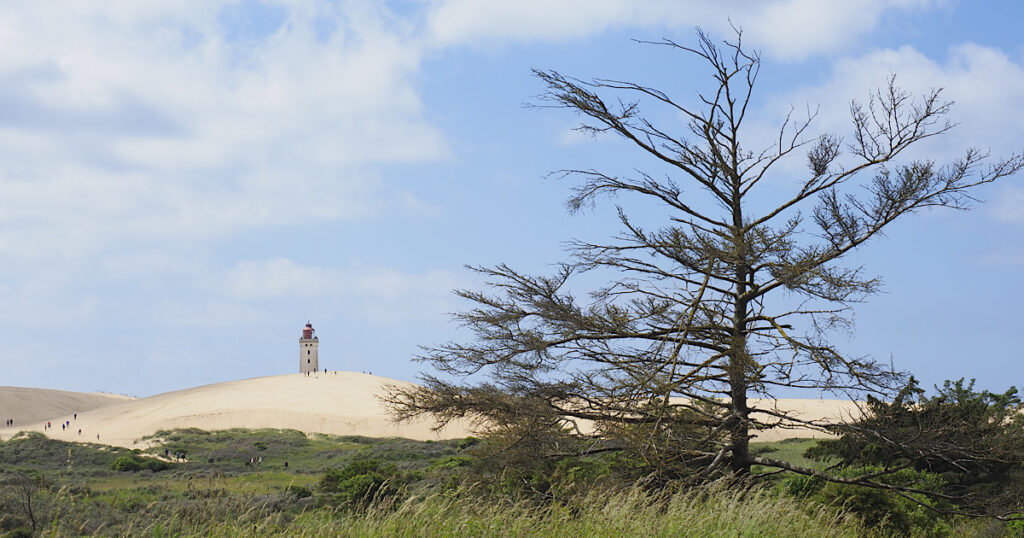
[[75, 485], [217, 492], [791, 450]]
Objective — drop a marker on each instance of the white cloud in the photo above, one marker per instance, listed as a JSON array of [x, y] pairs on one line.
[[467, 21], [122, 120], [136, 137], [796, 29], [983, 82], [788, 29]]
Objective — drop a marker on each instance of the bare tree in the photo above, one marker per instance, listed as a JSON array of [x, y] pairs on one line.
[[696, 323], [24, 488]]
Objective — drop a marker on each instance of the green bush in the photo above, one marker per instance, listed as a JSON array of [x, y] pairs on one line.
[[970, 439], [299, 492], [361, 482], [467, 443], [134, 463], [877, 508], [1016, 527], [126, 463]]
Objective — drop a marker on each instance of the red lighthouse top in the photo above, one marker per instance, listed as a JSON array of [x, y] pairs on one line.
[[307, 331]]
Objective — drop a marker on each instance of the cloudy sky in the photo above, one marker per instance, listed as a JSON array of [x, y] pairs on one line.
[[183, 184]]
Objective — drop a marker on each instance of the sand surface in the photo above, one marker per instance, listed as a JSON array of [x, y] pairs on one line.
[[342, 403], [27, 406], [803, 409]]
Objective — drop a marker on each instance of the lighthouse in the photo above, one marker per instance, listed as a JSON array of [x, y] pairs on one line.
[[308, 344]]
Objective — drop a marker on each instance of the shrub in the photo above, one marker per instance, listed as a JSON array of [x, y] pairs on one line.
[[877, 508], [970, 439], [134, 462], [467, 443], [299, 492], [126, 463], [361, 482], [1016, 528]]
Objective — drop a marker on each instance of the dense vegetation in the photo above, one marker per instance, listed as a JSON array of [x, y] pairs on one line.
[[398, 487]]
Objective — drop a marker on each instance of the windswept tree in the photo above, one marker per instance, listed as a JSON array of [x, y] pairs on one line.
[[708, 315]]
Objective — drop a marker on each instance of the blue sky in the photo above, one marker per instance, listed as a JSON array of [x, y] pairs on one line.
[[184, 184]]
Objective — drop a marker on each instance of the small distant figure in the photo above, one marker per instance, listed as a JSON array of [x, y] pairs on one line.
[[63, 427], [260, 461], [167, 453], [97, 437], [286, 465], [79, 431], [76, 416]]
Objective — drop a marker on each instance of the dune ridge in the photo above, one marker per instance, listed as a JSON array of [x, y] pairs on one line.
[[338, 403]]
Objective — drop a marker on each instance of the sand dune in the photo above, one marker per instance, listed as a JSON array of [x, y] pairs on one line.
[[27, 406], [803, 409], [342, 403]]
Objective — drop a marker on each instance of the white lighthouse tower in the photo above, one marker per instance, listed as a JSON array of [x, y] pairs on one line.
[[308, 344]]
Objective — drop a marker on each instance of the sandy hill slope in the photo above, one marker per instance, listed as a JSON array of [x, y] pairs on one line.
[[803, 409], [27, 405], [342, 403]]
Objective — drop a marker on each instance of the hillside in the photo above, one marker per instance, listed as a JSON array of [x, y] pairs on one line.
[[342, 403], [29, 405]]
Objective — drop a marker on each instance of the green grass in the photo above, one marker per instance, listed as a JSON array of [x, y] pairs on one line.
[[79, 484], [791, 450], [708, 512], [81, 495]]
